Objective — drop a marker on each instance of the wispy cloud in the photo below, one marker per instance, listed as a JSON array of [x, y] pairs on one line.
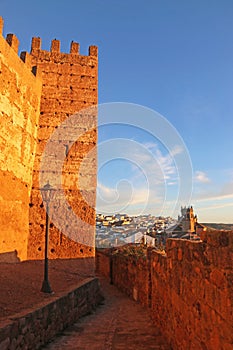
[[153, 173], [109, 194], [201, 177], [161, 166], [209, 198], [125, 197]]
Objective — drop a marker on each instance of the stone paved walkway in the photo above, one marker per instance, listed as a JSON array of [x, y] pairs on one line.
[[118, 324]]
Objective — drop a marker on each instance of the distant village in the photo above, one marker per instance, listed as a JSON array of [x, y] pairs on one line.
[[120, 229]]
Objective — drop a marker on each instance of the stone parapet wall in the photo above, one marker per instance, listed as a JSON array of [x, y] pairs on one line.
[[136, 273], [189, 289], [119, 268], [32, 329], [103, 262], [195, 281]]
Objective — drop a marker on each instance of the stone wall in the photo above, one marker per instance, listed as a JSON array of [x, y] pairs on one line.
[[119, 268], [20, 92], [189, 289], [69, 86], [32, 329], [135, 270], [103, 262], [33, 107]]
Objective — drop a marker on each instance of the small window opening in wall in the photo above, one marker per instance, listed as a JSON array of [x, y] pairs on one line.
[[51, 225], [81, 251], [39, 249], [52, 250]]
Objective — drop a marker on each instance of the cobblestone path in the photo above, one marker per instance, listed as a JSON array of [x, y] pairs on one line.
[[120, 323]]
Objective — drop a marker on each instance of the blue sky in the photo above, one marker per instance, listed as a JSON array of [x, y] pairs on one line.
[[172, 56]]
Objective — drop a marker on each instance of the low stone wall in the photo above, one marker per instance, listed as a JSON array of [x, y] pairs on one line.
[[188, 289], [131, 275], [192, 292], [34, 328], [103, 262]]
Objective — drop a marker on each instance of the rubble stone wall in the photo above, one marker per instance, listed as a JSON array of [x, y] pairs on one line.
[[40, 91], [189, 288], [20, 92], [69, 86], [34, 328]]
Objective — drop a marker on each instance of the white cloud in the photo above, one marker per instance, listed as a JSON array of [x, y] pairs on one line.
[[158, 163], [176, 150], [125, 197], [210, 198], [107, 193], [201, 177], [153, 179]]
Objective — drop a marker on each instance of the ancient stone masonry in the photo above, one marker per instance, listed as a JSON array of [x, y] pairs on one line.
[[188, 289], [19, 113], [33, 328], [39, 92]]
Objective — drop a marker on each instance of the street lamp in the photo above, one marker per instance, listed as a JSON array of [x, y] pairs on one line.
[[47, 193]]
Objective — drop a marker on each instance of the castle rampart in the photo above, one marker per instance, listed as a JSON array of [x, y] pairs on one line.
[[20, 108], [39, 91], [69, 86], [188, 289]]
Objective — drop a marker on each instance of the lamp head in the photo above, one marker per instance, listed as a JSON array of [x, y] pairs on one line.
[[47, 192]]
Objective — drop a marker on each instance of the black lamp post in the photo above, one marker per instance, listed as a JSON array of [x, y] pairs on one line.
[[47, 193]]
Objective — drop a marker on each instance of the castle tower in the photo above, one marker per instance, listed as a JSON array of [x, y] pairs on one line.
[[188, 220], [69, 85]]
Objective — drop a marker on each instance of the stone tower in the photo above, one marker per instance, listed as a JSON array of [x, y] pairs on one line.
[[188, 221], [39, 92], [69, 86]]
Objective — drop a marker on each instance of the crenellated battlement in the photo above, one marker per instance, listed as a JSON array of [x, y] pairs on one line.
[[26, 58], [13, 42], [32, 105], [55, 48], [74, 47], [54, 55]]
